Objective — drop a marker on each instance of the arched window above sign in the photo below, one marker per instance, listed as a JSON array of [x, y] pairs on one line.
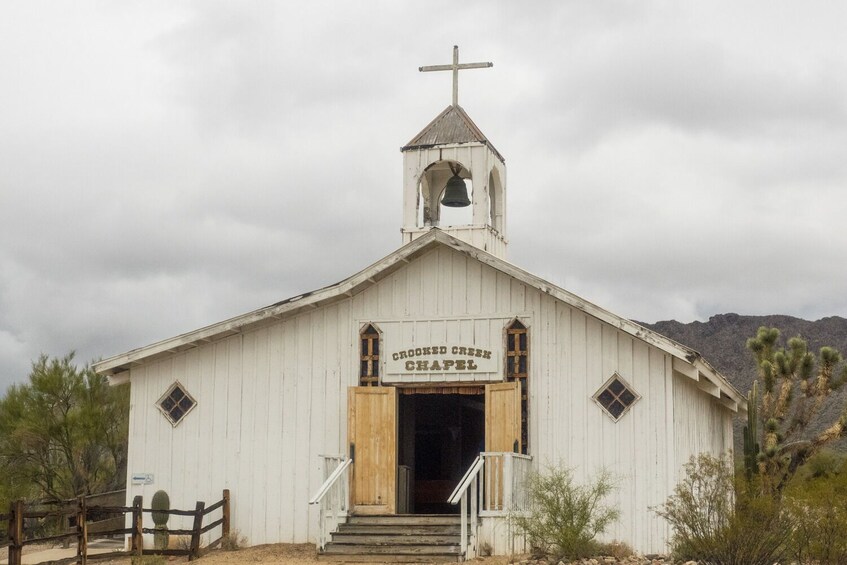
[[369, 356], [517, 369]]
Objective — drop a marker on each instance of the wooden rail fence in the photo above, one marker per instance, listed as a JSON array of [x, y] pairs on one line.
[[81, 511]]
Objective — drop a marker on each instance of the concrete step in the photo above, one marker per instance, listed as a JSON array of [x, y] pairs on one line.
[[404, 538], [404, 529], [394, 539], [407, 519], [398, 558], [405, 549]]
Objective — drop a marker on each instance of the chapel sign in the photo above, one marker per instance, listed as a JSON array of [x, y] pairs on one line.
[[439, 358]]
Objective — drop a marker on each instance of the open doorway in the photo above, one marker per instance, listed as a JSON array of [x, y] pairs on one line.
[[439, 437]]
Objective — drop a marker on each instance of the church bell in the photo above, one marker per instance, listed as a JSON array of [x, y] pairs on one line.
[[456, 193]]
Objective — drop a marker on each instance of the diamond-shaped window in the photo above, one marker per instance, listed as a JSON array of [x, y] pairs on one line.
[[176, 403], [615, 397]]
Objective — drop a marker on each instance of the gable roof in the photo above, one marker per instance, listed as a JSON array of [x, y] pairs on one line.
[[686, 361], [451, 126]]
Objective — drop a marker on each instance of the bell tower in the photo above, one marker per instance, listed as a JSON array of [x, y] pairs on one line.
[[449, 156]]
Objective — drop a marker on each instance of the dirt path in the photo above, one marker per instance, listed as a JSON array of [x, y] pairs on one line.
[[276, 554]]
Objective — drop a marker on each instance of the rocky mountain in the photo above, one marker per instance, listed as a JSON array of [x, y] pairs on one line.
[[721, 340]]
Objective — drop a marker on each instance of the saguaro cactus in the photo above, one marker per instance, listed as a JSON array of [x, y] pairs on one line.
[[751, 433], [161, 503]]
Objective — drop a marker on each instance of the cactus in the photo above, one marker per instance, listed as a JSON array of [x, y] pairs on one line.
[[751, 433], [161, 503]]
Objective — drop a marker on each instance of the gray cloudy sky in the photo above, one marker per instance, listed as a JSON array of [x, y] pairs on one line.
[[166, 165]]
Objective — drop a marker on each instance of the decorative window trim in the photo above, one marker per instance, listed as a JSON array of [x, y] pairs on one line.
[[185, 411], [370, 370], [617, 396], [519, 350]]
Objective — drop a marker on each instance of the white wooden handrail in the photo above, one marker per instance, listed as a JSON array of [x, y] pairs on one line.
[[330, 481], [492, 486], [472, 471], [468, 510], [333, 506]]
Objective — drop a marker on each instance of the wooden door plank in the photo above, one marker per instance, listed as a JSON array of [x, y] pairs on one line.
[[502, 433], [502, 416], [372, 429]]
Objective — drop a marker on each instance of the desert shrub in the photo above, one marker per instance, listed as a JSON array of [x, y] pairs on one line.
[[618, 549], [825, 464], [565, 517], [817, 506], [233, 541], [716, 519]]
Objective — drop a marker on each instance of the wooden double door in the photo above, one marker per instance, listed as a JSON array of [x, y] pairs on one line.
[[372, 433]]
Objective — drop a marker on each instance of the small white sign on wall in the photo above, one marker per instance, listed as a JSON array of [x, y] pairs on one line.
[[142, 479]]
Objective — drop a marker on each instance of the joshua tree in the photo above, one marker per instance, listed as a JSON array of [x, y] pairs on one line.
[[795, 383]]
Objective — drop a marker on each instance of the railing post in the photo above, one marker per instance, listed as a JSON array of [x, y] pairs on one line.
[[226, 523], [332, 497], [16, 532], [463, 512], [82, 531], [323, 504], [345, 492], [508, 474], [137, 545], [194, 551], [474, 518]]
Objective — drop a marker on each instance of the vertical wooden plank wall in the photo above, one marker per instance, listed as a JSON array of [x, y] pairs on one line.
[[271, 400]]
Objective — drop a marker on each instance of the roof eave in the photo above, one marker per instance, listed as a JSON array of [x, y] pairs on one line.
[[695, 366], [310, 300]]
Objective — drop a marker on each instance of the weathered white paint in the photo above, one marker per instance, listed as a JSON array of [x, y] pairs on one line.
[[484, 237], [272, 398], [382, 269], [425, 174], [385, 268]]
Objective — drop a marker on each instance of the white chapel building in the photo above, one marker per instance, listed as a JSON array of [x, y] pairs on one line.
[[428, 384]]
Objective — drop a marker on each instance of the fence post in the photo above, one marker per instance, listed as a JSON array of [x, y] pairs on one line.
[[195, 534], [16, 532], [82, 531], [225, 524], [137, 523]]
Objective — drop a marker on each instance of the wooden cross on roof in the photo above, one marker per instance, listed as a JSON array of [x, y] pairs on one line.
[[455, 67]]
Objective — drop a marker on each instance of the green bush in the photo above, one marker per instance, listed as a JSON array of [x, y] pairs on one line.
[[817, 505], [564, 517], [716, 520]]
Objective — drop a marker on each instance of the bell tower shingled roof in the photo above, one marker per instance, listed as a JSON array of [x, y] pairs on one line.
[[453, 125]]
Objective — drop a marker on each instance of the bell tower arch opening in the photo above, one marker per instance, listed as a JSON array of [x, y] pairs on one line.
[[445, 193], [497, 201], [457, 215]]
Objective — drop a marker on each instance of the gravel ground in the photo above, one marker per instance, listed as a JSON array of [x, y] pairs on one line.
[[300, 554]]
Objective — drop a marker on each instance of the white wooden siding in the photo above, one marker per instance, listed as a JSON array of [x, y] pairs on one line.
[[271, 400]]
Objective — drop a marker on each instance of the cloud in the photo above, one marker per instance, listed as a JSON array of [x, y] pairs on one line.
[[167, 166]]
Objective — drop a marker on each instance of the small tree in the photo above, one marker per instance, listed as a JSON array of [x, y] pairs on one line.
[[795, 384], [565, 517], [63, 433]]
